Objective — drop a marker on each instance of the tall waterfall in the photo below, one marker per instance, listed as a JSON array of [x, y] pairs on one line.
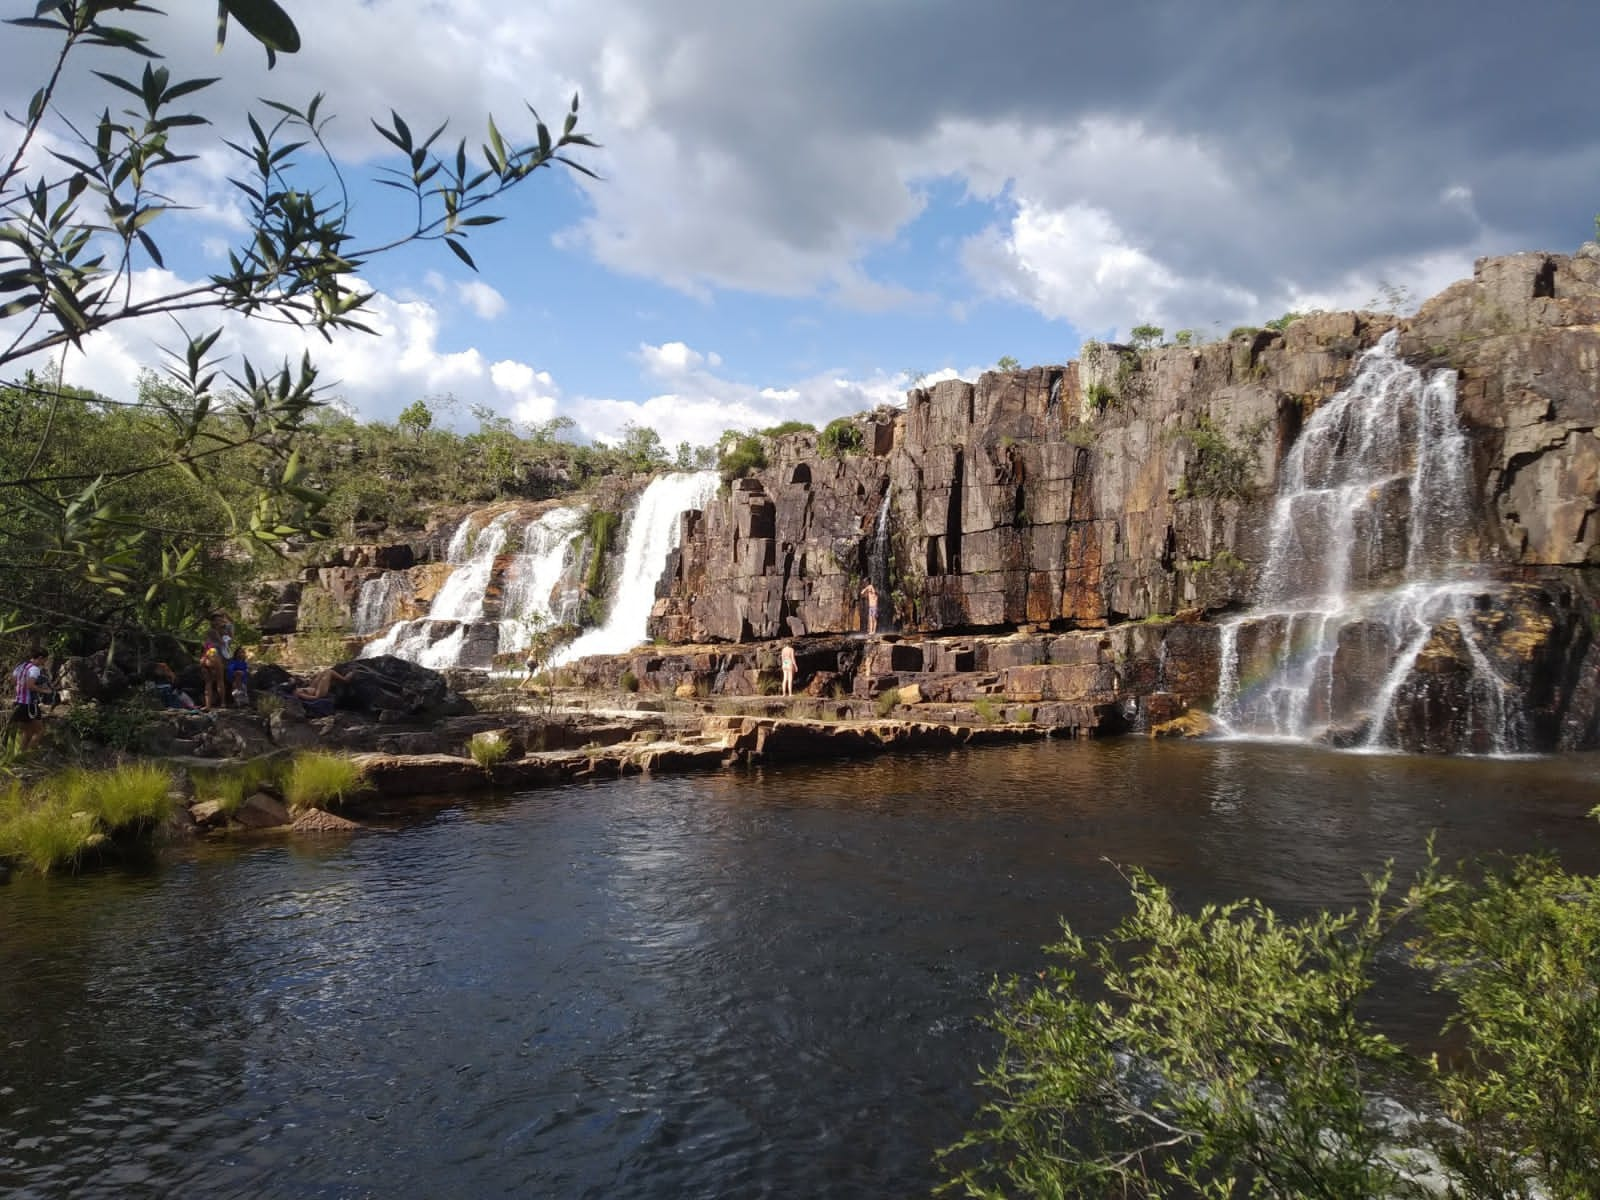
[[1365, 562], [878, 564], [653, 533], [533, 576], [436, 640]]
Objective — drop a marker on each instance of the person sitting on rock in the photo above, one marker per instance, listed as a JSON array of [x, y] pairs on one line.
[[239, 677], [165, 685], [320, 685]]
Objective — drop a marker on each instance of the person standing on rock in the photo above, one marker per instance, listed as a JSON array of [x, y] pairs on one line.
[[214, 657], [27, 719], [870, 595], [787, 663]]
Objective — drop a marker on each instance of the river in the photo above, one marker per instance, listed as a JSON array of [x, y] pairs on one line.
[[762, 984]]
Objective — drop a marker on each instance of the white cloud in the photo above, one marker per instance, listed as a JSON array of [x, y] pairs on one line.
[[481, 299]]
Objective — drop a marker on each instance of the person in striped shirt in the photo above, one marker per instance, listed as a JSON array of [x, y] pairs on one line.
[[26, 717]]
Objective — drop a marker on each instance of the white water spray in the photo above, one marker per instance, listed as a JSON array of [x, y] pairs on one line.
[[1366, 554], [653, 533]]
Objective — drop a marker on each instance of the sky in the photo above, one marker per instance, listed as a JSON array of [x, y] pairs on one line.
[[806, 205]]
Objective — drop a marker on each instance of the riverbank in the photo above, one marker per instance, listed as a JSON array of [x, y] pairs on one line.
[[333, 774]]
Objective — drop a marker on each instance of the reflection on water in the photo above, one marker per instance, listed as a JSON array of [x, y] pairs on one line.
[[755, 984]]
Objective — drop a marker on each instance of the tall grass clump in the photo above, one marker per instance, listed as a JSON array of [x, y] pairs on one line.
[[488, 749], [320, 780], [231, 786], [40, 832], [52, 824], [887, 701], [132, 796]]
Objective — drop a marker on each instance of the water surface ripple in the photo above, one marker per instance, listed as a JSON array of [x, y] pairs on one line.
[[763, 984]]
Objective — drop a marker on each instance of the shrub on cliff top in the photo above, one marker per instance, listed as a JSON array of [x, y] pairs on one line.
[[840, 436], [742, 455]]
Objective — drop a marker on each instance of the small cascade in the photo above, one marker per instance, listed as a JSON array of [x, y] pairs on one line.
[[379, 602], [438, 639], [878, 564], [654, 530], [1366, 568], [534, 575]]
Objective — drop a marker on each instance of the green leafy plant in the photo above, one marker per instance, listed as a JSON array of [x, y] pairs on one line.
[[987, 708], [1222, 468], [1008, 363], [1099, 395], [840, 437], [628, 681], [886, 702], [488, 749], [1146, 336], [84, 201], [317, 779], [1230, 1052], [742, 455], [784, 428]]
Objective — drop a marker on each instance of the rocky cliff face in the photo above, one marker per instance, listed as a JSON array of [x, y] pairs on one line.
[[1134, 487]]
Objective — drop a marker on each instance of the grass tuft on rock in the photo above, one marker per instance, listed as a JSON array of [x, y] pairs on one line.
[[488, 749], [318, 779], [231, 786], [52, 824]]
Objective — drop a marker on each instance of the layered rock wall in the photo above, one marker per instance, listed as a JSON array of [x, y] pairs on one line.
[[1133, 487]]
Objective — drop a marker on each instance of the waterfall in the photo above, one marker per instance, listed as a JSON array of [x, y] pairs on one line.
[[878, 564], [534, 575], [437, 640], [653, 533], [379, 598], [1365, 564]]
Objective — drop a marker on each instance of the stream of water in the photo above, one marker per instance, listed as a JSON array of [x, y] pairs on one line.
[[750, 984]]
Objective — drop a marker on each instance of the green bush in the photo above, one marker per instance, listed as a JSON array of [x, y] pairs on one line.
[[628, 681], [1230, 1052], [886, 702], [488, 749], [840, 437], [987, 709], [744, 455], [120, 726], [318, 779], [1222, 468], [788, 427]]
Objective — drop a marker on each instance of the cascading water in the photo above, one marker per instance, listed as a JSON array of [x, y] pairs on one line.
[[380, 599], [436, 640], [1366, 560], [878, 565], [653, 533], [533, 576]]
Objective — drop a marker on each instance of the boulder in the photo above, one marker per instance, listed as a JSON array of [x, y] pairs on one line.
[[315, 820], [390, 683], [261, 810]]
